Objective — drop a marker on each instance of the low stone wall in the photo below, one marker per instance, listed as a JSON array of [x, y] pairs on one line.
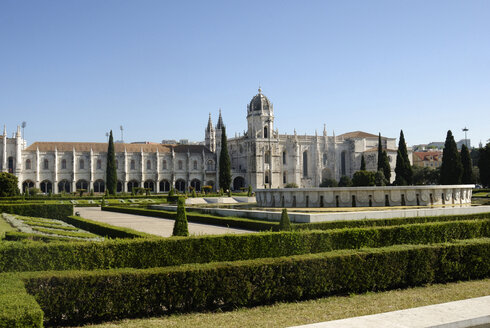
[[366, 196]]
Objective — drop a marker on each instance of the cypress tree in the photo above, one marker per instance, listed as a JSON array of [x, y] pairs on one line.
[[380, 154], [224, 163], [363, 163], [386, 166], [403, 169], [451, 167], [180, 225], [468, 176], [484, 165], [285, 224], [111, 171]]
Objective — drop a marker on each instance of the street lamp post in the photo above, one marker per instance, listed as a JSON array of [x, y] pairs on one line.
[[465, 129]]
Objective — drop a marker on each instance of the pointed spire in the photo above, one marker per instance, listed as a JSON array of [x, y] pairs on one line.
[[324, 130], [210, 124], [18, 135], [220, 124]]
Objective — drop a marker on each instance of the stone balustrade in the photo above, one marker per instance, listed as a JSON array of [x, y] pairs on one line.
[[366, 196]]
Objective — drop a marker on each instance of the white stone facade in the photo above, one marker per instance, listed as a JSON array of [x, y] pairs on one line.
[[262, 158]]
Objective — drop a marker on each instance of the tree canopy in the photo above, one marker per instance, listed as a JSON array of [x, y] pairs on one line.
[[468, 175], [451, 167], [111, 170], [8, 185], [403, 169], [224, 163]]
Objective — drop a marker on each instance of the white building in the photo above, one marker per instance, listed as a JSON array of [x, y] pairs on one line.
[[262, 158]]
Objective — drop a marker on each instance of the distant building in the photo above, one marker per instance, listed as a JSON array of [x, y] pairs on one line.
[[432, 159], [439, 145], [261, 158]]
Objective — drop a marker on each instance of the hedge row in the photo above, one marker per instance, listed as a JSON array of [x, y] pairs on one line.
[[235, 222], [51, 211], [103, 229], [387, 222], [147, 253], [91, 296], [17, 308], [18, 236]]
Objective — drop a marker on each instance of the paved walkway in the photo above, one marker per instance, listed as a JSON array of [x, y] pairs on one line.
[[156, 226], [473, 312]]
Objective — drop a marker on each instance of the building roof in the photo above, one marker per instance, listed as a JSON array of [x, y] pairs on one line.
[[119, 147], [357, 135], [375, 149], [423, 155], [259, 102]]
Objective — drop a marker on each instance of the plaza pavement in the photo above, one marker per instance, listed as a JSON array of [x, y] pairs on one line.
[[473, 312], [155, 226]]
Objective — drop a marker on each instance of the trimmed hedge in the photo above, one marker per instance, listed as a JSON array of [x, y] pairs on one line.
[[104, 229], [50, 211], [147, 253], [17, 308], [228, 221], [84, 296], [18, 236], [387, 222]]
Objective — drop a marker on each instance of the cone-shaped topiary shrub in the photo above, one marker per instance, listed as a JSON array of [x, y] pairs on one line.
[[180, 226], [285, 224]]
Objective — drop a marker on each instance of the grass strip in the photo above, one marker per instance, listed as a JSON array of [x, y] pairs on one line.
[[318, 310], [5, 227], [65, 233], [48, 225]]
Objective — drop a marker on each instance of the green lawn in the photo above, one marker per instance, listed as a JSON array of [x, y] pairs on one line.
[[323, 309], [4, 227]]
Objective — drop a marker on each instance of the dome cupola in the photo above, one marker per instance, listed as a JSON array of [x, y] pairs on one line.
[[259, 103]]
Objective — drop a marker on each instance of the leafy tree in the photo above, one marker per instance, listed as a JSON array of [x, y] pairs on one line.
[[484, 165], [468, 176], [224, 163], [403, 169], [180, 225], [363, 163], [345, 181], [285, 224], [451, 167], [363, 178], [329, 183], [379, 178], [425, 175], [111, 171], [8, 185], [291, 185]]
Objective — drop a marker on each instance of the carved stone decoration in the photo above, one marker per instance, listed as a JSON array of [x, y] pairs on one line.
[[328, 196], [363, 196], [379, 196], [464, 195], [424, 195], [448, 194], [436, 195], [344, 196], [456, 195], [395, 196], [313, 197], [411, 195]]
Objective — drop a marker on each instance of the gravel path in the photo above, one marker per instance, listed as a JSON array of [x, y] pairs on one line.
[[156, 226]]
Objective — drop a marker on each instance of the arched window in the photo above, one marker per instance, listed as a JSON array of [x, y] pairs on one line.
[[11, 164], [148, 164], [305, 164], [284, 177], [119, 186], [82, 184], [132, 184], [195, 165], [266, 180], [149, 184], [82, 164], [284, 158], [164, 186], [196, 184], [133, 165], [99, 186], [46, 164], [46, 186], [180, 165], [64, 186], [180, 185], [265, 132], [63, 164], [28, 164], [26, 185], [210, 166], [99, 164], [164, 165], [267, 158]]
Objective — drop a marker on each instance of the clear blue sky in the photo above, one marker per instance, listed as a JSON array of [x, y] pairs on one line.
[[76, 69]]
